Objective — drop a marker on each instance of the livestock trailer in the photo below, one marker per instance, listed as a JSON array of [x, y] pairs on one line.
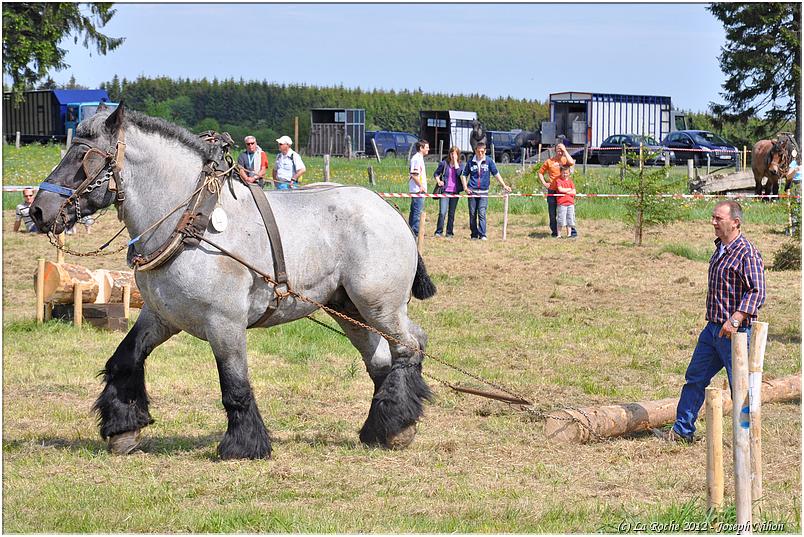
[[592, 117], [454, 127], [42, 114], [329, 128]]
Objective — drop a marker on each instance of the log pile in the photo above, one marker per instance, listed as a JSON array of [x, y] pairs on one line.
[[99, 286]]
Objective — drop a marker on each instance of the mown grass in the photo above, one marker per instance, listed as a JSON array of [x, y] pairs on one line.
[[565, 323]]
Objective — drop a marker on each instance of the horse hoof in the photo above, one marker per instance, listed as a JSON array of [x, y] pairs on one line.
[[124, 443], [402, 439]]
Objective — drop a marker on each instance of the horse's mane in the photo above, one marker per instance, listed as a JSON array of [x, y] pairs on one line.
[[95, 127]]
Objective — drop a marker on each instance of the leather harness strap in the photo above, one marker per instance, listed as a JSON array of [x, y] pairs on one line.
[[280, 272]]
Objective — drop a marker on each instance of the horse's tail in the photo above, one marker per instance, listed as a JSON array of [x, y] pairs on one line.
[[423, 286]]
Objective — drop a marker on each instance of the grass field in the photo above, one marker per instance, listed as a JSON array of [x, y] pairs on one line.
[[565, 323]]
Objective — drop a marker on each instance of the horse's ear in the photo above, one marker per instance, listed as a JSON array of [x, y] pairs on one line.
[[115, 119]]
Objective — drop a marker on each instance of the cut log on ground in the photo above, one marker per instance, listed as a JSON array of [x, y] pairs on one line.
[[720, 182], [585, 424], [59, 281]]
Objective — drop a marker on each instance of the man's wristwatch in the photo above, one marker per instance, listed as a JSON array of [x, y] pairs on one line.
[[735, 323]]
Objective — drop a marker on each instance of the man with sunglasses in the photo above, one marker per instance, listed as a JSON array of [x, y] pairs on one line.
[[253, 162], [23, 212]]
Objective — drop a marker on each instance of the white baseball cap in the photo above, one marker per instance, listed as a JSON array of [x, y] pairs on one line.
[[284, 140]]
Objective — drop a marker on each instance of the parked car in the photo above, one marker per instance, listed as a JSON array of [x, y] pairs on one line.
[[611, 149], [390, 143], [506, 148], [696, 145]]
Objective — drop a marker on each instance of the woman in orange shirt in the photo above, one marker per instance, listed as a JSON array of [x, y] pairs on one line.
[[553, 167]]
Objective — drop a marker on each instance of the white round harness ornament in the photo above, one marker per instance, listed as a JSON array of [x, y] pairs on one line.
[[219, 219]]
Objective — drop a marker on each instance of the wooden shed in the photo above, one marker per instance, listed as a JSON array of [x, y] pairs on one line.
[[329, 128]]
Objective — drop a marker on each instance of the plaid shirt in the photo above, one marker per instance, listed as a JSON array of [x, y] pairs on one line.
[[736, 281]]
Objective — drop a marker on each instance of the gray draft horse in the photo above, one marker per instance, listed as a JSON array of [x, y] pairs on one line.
[[344, 247]]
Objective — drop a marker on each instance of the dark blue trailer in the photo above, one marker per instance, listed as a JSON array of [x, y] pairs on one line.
[[42, 115]]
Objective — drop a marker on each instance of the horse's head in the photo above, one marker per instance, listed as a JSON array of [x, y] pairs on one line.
[[775, 158], [87, 177]]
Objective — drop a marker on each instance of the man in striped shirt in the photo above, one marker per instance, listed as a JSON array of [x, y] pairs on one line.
[[736, 292]]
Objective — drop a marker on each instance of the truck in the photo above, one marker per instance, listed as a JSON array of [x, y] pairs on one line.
[[47, 115], [453, 127], [582, 117]]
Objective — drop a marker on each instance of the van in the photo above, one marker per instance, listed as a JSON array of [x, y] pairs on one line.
[[390, 143]]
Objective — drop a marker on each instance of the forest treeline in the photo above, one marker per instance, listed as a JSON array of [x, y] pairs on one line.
[[267, 110]]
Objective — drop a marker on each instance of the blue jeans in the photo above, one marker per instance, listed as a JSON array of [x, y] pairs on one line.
[[477, 216], [446, 208], [416, 208], [286, 186], [552, 206], [711, 354]]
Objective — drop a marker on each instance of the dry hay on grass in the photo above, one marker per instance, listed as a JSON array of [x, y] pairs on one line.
[[565, 322]]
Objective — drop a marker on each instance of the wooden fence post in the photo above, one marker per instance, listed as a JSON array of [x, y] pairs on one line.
[[127, 301], [326, 167], [539, 156], [40, 291], [78, 304], [585, 156], [440, 150], [691, 170], [740, 430], [505, 216], [756, 358], [17, 140], [371, 177], [714, 447], [61, 239]]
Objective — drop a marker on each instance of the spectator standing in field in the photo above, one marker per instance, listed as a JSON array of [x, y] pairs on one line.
[[253, 162], [565, 214], [289, 167], [735, 293], [417, 184], [479, 170], [553, 167], [447, 175], [23, 221]]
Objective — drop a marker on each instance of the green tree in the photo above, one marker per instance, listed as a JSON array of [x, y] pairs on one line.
[[33, 30], [762, 63], [645, 208]]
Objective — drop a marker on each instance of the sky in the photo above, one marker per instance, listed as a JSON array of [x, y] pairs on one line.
[[519, 50]]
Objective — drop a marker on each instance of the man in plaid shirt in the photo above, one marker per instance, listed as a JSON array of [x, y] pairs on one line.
[[736, 292]]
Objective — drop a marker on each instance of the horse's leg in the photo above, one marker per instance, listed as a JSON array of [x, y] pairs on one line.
[[399, 389], [246, 436], [122, 406]]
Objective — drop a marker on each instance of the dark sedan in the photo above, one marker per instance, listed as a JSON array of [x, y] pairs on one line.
[[698, 145], [611, 149]]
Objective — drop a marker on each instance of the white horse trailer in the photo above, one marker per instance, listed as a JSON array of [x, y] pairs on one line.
[[593, 117], [454, 127]]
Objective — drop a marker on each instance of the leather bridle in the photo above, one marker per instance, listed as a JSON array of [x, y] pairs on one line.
[[100, 166]]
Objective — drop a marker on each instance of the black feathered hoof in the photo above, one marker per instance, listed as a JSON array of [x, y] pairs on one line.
[[396, 407], [254, 448]]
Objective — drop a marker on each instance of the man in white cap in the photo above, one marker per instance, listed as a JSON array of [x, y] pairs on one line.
[[289, 166]]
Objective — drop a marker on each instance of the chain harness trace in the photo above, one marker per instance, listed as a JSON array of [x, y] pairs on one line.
[[213, 179]]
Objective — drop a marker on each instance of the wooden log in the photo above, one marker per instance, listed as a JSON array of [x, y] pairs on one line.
[[740, 430], [574, 425], [714, 447], [59, 279], [505, 217], [117, 280]]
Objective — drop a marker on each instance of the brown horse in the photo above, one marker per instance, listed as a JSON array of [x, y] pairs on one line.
[[770, 158]]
